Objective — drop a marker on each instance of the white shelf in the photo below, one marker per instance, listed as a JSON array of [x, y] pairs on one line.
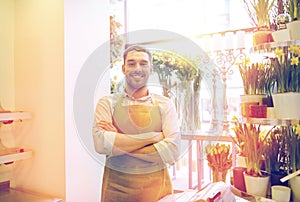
[[18, 115], [15, 156], [23, 195]]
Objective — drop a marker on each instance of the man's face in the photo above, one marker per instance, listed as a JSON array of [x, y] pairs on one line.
[[137, 69]]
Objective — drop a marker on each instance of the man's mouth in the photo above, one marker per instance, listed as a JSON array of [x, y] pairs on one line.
[[137, 76]]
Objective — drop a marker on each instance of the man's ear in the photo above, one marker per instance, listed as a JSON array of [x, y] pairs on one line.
[[123, 69]]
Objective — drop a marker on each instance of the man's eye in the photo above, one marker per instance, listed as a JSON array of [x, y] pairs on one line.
[[144, 64], [131, 64]]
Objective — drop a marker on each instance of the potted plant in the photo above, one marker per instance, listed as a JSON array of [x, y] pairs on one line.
[[255, 78], [293, 132], [259, 12], [277, 155], [293, 9], [253, 141], [285, 67]]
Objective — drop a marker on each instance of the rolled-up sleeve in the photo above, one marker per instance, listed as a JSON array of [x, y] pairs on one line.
[[169, 147], [103, 140]]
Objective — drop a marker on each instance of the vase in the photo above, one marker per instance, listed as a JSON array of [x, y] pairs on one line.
[[185, 105], [257, 186], [294, 28], [295, 184], [238, 178], [219, 175], [286, 105]]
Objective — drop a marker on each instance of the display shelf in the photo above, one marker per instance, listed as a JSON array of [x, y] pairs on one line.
[[271, 121], [16, 115], [14, 194], [272, 45], [7, 158]]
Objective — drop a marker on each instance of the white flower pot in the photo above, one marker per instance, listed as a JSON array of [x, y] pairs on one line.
[[287, 105], [295, 186], [294, 28], [281, 35], [257, 186]]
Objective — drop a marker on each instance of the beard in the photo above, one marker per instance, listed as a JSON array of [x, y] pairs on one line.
[[136, 80]]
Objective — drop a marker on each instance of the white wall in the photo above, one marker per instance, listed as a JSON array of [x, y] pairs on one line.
[[39, 88], [7, 86], [86, 28]]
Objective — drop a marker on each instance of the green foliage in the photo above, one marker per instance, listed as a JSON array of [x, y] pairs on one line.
[[255, 77], [293, 9], [286, 69], [259, 11]]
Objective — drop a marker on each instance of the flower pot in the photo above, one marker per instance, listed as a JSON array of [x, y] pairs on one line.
[[238, 178], [295, 184], [262, 36], [294, 28], [281, 35], [281, 193], [257, 186], [253, 98], [286, 105], [246, 108]]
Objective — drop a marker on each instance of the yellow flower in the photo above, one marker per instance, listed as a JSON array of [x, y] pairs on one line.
[[298, 129], [279, 52], [234, 118], [294, 49], [294, 60]]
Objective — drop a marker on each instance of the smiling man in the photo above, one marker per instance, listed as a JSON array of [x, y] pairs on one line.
[[139, 133]]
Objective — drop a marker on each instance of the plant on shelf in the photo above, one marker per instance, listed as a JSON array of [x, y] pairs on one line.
[[293, 9], [254, 77], [219, 160], [259, 12], [293, 132], [252, 141], [286, 68]]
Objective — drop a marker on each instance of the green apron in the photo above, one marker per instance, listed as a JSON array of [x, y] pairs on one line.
[[129, 179]]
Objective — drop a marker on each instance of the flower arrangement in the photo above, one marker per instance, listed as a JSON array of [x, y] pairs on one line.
[[275, 151], [286, 68], [219, 156], [283, 148], [219, 160], [252, 142], [167, 62], [254, 76]]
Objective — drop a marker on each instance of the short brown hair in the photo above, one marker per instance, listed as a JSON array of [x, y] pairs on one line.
[[137, 48]]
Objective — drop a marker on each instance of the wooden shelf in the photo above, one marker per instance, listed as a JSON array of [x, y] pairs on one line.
[[271, 121], [17, 115], [15, 156]]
